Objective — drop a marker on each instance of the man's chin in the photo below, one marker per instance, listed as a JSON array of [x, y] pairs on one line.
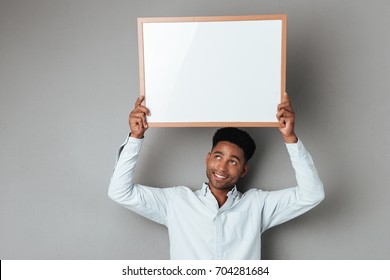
[[221, 186]]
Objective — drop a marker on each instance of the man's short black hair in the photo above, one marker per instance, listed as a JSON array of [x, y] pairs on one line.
[[238, 137]]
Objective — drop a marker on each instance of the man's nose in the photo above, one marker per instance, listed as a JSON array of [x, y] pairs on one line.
[[222, 165]]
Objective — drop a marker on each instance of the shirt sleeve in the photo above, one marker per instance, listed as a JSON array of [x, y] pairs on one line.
[[147, 201], [283, 205]]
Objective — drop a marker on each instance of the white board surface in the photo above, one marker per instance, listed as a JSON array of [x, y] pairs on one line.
[[212, 73]]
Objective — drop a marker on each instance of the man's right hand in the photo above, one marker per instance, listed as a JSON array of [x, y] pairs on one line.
[[137, 119]]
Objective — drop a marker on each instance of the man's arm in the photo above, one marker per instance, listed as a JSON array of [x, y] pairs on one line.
[[146, 201], [286, 204], [283, 205]]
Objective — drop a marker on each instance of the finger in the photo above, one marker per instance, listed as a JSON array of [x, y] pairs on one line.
[[138, 122], [285, 97], [135, 120], [137, 114], [284, 112], [139, 100], [286, 119], [280, 113], [285, 106], [285, 100], [140, 114], [282, 122], [141, 109], [144, 122]]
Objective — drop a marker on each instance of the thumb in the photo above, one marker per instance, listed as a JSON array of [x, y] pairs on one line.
[[285, 97]]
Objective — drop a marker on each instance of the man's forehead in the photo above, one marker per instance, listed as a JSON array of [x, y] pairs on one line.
[[226, 146]]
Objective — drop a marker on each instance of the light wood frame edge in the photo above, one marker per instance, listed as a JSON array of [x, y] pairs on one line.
[[141, 21]]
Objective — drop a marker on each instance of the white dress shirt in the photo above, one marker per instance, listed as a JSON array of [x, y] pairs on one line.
[[198, 228]]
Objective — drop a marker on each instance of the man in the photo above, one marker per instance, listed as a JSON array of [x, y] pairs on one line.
[[217, 221]]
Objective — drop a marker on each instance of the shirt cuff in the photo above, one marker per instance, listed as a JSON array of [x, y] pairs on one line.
[[130, 143], [133, 141], [295, 149]]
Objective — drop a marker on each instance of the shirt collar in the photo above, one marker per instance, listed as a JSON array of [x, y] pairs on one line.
[[233, 192]]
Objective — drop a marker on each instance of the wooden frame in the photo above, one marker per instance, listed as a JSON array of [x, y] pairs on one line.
[[212, 71]]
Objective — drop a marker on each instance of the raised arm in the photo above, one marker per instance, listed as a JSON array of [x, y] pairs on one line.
[[283, 205], [147, 201]]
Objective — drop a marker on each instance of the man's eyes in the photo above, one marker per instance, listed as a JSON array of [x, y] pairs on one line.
[[231, 162]]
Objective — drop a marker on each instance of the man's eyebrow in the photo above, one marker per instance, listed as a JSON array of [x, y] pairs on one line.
[[236, 157]]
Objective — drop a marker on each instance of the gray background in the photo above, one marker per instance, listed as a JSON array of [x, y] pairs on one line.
[[69, 77]]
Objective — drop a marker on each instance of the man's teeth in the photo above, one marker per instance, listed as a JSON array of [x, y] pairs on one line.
[[219, 176]]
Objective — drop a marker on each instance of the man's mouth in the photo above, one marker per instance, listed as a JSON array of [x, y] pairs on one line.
[[219, 176]]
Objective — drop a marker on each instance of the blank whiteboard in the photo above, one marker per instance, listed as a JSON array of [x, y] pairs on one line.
[[212, 71]]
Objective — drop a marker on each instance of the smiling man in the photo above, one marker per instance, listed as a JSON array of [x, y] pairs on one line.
[[217, 221], [228, 161]]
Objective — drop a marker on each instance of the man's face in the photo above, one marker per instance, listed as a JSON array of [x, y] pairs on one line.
[[225, 164]]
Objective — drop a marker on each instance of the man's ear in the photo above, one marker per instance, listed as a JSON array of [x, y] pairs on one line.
[[245, 170], [208, 156]]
